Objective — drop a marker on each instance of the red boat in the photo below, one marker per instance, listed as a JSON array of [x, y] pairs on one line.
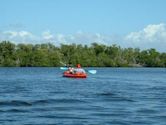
[[75, 75], [75, 72]]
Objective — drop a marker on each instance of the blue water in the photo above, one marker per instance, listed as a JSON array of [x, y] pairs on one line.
[[114, 96]]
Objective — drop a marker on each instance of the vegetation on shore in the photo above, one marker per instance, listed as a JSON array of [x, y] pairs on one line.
[[99, 55]]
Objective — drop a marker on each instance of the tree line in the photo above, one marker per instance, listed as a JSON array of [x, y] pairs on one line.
[[95, 55]]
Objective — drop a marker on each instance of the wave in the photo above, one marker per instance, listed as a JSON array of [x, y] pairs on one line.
[[39, 102], [15, 103], [14, 111], [55, 101], [62, 117], [109, 96], [106, 94]]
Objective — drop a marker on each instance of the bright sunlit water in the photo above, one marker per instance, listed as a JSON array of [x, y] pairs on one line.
[[113, 96]]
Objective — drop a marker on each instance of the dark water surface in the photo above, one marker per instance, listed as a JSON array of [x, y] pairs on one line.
[[114, 96]]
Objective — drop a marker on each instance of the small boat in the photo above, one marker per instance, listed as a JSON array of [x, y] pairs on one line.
[[74, 75], [75, 72]]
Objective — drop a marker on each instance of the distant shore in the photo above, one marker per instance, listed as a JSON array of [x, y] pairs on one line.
[[95, 55]]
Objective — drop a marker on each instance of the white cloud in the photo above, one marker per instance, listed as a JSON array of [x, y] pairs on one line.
[[79, 38], [25, 34], [60, 38], [152, 36], [47, 35], [17, 36], [10, 34]]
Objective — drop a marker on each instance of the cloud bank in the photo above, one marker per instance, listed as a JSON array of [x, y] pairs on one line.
[[152, 36]]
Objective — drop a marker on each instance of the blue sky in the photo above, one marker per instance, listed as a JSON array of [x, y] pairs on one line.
[[65, 20]]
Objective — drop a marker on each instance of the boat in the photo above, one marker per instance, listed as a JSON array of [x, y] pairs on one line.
[[74, 75], [77, 72]]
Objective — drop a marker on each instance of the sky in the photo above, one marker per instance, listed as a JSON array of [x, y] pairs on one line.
[[128, 23]]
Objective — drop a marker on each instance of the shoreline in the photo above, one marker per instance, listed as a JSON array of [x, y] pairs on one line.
[[60, 66]]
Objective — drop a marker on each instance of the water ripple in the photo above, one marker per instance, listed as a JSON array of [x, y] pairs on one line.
[[15, 103], [122, 96]]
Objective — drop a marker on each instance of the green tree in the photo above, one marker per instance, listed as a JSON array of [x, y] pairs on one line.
[[7, 54], [48, 54]]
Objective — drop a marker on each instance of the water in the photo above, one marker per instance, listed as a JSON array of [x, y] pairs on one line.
[[114, 96]]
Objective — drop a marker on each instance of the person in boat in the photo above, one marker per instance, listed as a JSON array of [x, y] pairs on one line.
[[79, 69], [69, 65], [71, 70]]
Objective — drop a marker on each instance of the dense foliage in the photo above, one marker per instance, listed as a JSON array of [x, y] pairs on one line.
[[26, 55]]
